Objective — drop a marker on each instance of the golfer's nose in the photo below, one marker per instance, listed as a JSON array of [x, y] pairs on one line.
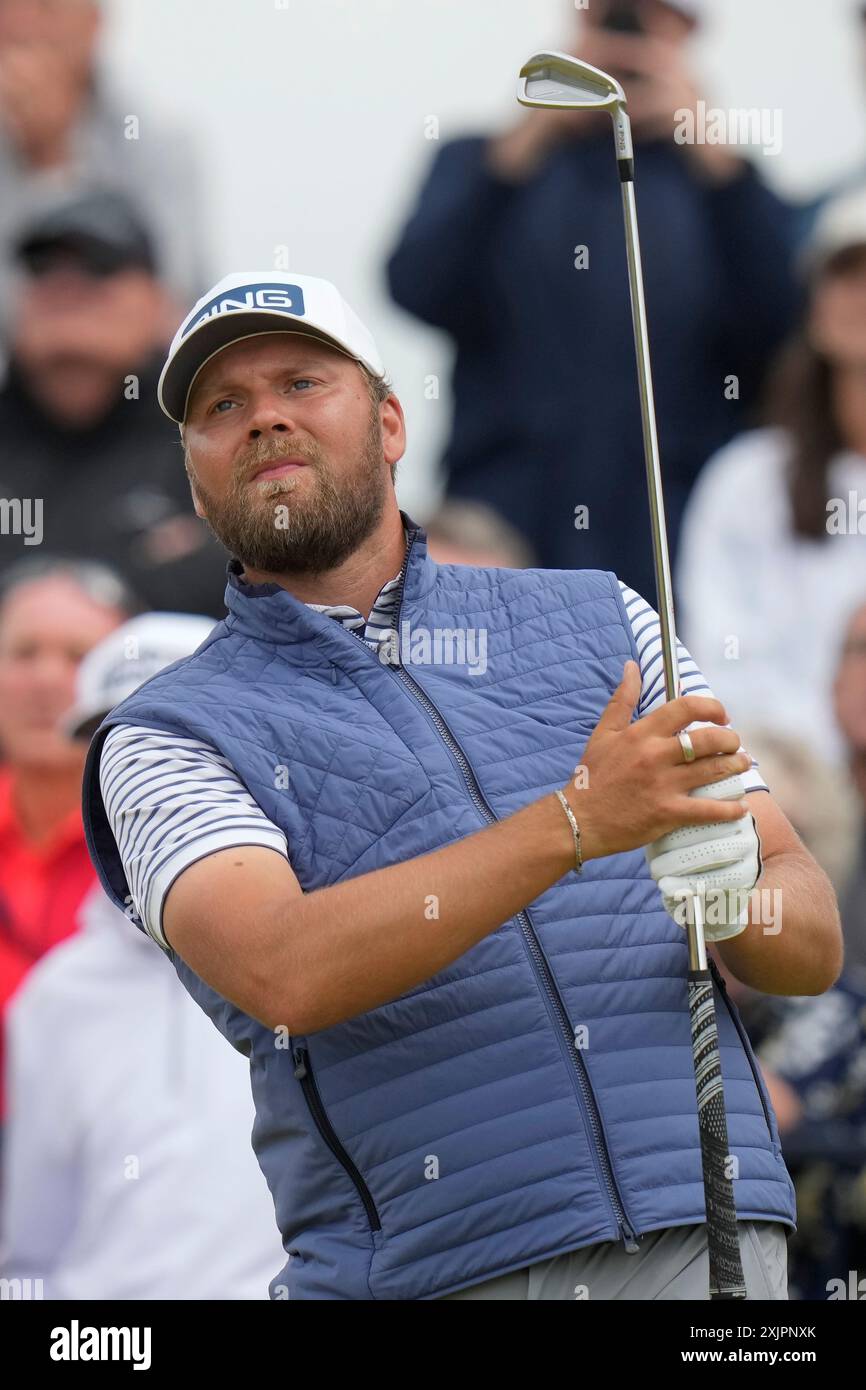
[[270, 414]]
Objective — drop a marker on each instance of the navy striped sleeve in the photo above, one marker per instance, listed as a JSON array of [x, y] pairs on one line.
[[170, 801], [646, 627]]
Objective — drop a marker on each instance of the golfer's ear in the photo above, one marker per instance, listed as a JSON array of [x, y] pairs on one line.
[[393, 429]]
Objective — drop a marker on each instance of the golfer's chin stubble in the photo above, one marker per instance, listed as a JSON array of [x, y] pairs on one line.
[[304, 523]]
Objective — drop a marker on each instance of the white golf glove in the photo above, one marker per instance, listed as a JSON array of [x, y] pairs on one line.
[[722, 862]]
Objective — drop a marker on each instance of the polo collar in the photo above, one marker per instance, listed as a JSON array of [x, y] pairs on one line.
[[272, 613]]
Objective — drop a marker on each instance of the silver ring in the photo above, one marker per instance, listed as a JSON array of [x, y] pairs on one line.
[[687, 747]]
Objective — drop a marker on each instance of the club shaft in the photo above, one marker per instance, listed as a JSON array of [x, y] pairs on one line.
[[695, 935], [726, 1272], [661, 558], [661, 555]]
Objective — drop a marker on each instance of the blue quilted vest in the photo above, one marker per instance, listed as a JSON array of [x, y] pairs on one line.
[[536, 1096]]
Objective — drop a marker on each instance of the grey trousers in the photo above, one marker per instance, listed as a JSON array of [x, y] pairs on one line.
[[671, 1264]]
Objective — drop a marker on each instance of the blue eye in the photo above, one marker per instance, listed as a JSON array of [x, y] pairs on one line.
[[216, 406], [303, 381]]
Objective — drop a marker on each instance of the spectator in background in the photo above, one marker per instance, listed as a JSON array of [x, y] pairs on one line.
[[849, 694], [468, 533], [812, 1050], [129, 1169], [51, 614], [546, 409], [817, 1051], [812, 1053], [80, 426], [818, 798], [773, 553], [60, 127]]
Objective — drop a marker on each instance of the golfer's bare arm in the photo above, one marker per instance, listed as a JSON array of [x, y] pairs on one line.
[[793, 944], [308, 960]]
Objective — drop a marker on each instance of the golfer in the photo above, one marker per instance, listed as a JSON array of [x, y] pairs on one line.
[[418, 839]]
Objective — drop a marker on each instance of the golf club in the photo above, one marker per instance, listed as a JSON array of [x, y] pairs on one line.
[[557, 81]]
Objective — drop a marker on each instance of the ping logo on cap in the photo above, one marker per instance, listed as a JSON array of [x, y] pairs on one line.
[[286, 299]]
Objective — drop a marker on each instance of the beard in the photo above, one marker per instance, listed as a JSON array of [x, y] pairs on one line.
[[271, 530]]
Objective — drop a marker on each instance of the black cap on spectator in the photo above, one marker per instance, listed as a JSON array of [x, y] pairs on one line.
[[100, 228]]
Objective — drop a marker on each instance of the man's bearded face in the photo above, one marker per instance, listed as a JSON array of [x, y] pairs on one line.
[[306, 522]]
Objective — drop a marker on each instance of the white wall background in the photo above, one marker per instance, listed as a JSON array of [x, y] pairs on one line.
[[310, 117]]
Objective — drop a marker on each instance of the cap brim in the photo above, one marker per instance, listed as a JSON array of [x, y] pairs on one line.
[[205, 342], [87, 247]]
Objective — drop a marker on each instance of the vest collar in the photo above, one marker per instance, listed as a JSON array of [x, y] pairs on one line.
[[272, 613]]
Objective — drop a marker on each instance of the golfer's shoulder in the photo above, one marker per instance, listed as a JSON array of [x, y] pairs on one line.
[[158, 730], [173, 698], [528, 594], [512, 583], [149, 753]]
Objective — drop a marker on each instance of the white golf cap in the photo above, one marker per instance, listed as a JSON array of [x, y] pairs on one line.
[[840, 225], [260, 301], [130, 655]]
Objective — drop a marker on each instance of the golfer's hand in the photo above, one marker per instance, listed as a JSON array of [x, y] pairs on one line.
[[633, 785], [721, 862]]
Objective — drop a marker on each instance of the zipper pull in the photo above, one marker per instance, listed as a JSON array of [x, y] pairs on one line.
[[630, 1241], [301, 1060]]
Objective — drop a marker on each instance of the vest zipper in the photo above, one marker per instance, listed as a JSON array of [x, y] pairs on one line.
[[304, 1073], [744, 1039], [542, 968]]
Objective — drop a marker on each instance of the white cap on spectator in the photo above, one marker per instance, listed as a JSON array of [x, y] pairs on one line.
[[840, 225], [253, 302], [128, 657]]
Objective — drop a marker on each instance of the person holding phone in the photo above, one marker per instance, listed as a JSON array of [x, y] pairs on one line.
[[516, 239]]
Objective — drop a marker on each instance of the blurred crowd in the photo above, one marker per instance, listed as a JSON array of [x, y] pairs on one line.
[[125, 1117]]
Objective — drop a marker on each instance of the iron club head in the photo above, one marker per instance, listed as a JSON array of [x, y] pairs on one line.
[[567, 84], [559, 82]]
